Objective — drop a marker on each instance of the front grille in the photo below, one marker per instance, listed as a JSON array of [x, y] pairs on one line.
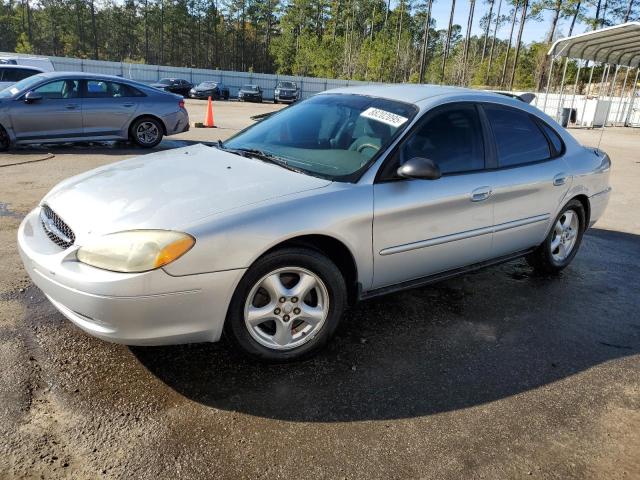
[[55, 228]]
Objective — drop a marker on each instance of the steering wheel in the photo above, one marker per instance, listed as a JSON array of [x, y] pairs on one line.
[[367, 145]]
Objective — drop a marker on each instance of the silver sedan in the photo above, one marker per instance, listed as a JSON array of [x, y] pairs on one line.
[[75, 106], [353, 193]]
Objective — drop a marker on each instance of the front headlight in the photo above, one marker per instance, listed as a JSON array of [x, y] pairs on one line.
[[135, 250], [277, 92], [193, 90]]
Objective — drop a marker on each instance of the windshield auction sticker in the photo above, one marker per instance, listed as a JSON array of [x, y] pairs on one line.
[[384, 116]]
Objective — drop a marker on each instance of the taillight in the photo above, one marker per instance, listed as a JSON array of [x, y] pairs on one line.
[[181, 104]]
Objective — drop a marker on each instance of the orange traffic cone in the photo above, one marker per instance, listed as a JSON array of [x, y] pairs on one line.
[[208, 119]]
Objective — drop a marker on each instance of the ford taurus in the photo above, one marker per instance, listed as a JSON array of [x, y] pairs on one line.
[[269, 236]]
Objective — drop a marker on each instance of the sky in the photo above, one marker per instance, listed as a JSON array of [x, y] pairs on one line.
[[533, 31]]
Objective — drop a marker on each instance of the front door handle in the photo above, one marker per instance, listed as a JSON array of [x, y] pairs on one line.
[[71, 106], [560, 179], [128, 104], [480, 194]]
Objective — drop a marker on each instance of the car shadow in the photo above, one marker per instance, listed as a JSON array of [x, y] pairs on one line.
[[461, 343]]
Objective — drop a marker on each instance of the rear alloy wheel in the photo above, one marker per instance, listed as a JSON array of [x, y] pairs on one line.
[[146, 132], [287, 305], [562, 242]]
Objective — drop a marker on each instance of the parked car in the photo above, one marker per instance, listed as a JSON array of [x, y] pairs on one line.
[[75, 106], [215, 90], [286, 92], [174, 85], [250, 93], [10, 74], [273, 233], [43, 63]]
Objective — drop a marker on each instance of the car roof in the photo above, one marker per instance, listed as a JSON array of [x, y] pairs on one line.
[[405, 92], [98, 76], [22, 67], [87, 75]]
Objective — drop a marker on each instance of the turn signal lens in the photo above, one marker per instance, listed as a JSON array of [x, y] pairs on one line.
[[136, 250]]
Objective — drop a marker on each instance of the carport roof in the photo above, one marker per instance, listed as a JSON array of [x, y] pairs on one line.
[[618, 45]]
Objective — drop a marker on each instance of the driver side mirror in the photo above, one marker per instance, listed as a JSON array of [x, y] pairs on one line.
[[31, 97], [419, 167]]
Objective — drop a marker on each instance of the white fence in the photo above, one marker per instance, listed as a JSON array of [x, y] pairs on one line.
[[234, 80], [589, 111]]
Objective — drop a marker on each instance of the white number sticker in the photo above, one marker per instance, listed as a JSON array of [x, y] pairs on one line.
[[384, 116]]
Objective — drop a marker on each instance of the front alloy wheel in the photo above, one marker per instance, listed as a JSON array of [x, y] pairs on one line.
[[286, 308], [287, 305]]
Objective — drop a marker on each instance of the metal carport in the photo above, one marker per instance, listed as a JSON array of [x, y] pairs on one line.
[[613, 48]]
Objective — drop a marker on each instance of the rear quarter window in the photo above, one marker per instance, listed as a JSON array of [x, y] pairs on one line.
[[554, 138]]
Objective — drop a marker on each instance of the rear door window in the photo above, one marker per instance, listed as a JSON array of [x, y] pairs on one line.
[[518, 138], [102, 89]]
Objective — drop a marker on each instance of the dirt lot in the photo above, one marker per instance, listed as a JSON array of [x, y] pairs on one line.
[[497, 374]]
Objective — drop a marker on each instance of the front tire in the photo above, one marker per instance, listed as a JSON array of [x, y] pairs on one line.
[[146, 132], [287, 306], [562, 243]]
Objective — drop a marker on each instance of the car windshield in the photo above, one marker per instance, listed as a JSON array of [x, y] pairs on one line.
[[331, 136], [20, 86], [166, 81], [207, 84], [250, 87], [286, 85]]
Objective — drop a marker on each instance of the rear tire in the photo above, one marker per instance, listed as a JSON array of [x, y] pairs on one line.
[[287, 306], [562, 243], [146, 132]]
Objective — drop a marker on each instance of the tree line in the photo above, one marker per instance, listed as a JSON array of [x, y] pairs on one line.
[[372, 40]]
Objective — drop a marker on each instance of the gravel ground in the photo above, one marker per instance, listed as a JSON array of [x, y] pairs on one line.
[[496, 374]]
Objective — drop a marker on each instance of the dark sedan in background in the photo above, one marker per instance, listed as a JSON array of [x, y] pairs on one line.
[[174, 85], [78, 106], [250, 93], [286, 92], [215, 90]]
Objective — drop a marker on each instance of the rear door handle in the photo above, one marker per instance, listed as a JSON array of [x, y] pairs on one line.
[[128, 104], [560, 179], [480, 194], [71, 106]]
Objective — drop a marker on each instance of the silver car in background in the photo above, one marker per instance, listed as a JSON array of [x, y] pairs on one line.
[[76, 106], [353, 193]]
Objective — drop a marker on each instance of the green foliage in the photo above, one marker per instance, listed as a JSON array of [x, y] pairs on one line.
[[351, 39]]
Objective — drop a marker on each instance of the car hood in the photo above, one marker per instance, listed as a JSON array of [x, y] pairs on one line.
[[204, 89], [170, 190], [159, 85]]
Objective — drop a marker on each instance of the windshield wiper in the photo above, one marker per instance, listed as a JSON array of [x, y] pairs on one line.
[[262, 155]]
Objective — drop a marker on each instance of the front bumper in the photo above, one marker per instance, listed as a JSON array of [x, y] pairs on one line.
[[285, 99], [203, 95], [150, 308]]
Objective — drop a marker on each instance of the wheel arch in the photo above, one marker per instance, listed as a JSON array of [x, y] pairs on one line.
[[332, 248], [584, 200]]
